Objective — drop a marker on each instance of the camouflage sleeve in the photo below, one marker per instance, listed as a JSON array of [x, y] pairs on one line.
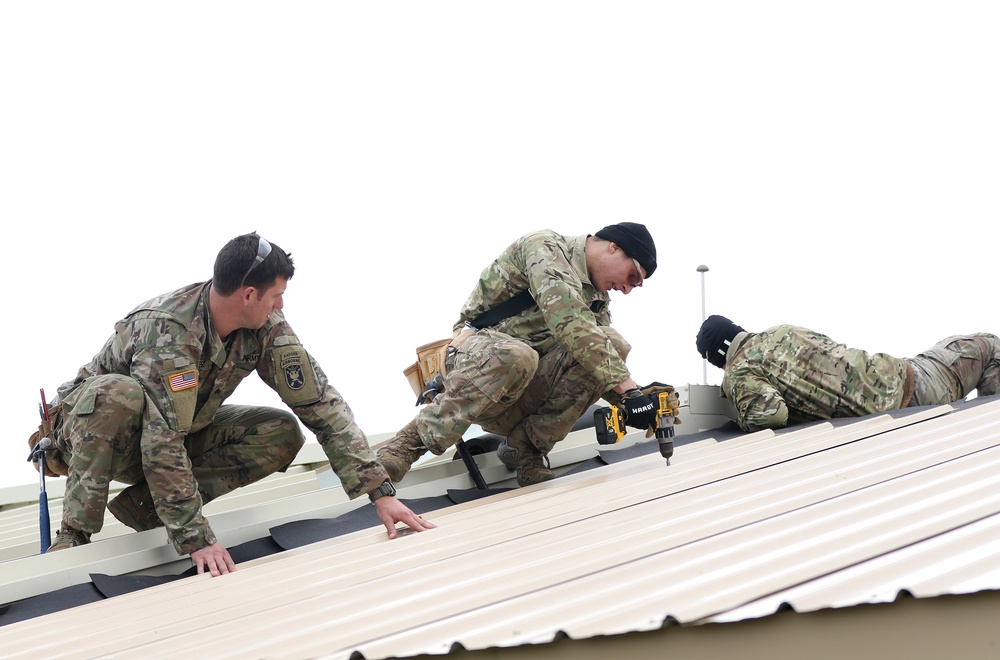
[[602, 312], [550, 266], [558, 291], [155, 350], [292, 372], [758, 404]]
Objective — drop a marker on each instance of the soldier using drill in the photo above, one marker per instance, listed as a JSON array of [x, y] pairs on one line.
[[148, 410], [530, 371]]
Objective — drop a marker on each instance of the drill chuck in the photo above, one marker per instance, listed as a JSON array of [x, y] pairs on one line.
[[665, 438]]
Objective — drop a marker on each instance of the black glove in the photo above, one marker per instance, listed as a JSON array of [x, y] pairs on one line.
[[640, 411]]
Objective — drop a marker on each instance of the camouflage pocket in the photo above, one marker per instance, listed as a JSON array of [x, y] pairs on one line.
[[500, 369]]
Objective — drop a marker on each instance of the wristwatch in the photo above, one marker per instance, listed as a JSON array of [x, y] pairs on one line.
[[385, 489]]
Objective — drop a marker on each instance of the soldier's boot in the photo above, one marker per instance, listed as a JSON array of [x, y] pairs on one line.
[[134, 507], [397, 455], [68, 538], [518, 454]]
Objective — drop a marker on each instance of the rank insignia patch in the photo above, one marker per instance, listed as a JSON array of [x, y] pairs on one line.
[[183, 380]]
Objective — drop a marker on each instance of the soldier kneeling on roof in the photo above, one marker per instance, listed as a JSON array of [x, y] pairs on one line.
[[147, 411], [533, 349]]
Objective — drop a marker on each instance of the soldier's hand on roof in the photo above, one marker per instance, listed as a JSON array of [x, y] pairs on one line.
[[391, 511], [214, 559]]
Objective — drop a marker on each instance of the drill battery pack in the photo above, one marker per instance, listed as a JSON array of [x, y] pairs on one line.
[[609, 423]]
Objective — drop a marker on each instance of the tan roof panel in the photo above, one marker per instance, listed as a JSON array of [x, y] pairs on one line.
[[827, 515]]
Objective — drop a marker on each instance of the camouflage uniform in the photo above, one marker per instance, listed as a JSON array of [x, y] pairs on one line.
[[788, 374], [149, 406], [952, 368], [541, 368]]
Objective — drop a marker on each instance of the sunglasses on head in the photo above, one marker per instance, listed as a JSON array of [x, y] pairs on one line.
[[263, 249]]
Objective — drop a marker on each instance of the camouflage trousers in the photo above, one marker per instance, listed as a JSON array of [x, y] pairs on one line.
[[99, 432], [952, 368], [500, 382]]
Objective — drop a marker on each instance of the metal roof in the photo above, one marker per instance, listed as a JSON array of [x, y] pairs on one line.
[[738, 526]]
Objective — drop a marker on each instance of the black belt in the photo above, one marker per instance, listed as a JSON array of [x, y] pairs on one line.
[[510, 307]]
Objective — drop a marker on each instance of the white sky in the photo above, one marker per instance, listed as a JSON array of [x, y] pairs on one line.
[[835, 165]]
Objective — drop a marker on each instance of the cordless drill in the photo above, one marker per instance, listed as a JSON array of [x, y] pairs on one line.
[[609, 422]]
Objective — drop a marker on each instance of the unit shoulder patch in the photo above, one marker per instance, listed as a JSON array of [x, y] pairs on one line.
[[296, 379]]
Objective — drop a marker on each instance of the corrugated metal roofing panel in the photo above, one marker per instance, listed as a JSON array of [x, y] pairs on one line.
[[963, 560], [810, 516], [19, 526]]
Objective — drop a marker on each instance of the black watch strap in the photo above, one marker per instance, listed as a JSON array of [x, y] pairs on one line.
[[385, 489]]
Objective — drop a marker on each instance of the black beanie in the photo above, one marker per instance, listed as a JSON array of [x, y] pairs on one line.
[[713, 340], [635, 240]]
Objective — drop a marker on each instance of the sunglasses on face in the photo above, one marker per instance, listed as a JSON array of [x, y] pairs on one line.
[[636, 279]]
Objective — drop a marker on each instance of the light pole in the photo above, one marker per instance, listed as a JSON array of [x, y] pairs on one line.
[[704, 363]]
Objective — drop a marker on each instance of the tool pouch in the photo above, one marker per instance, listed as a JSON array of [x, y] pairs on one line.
[[430, 363], [426, 375], [55, 466]]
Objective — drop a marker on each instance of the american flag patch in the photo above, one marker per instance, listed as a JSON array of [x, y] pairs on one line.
[[182, 380]]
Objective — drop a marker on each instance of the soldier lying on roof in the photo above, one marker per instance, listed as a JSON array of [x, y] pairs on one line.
[[788, 374]]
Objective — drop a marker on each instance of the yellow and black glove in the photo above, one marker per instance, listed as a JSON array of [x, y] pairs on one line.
[[653, 391]]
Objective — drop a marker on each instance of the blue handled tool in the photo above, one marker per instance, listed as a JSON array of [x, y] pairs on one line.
[[38, 455]]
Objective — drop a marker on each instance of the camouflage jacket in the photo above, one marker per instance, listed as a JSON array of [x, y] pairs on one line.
[[788, 374], [554, 269], [171, 336]]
